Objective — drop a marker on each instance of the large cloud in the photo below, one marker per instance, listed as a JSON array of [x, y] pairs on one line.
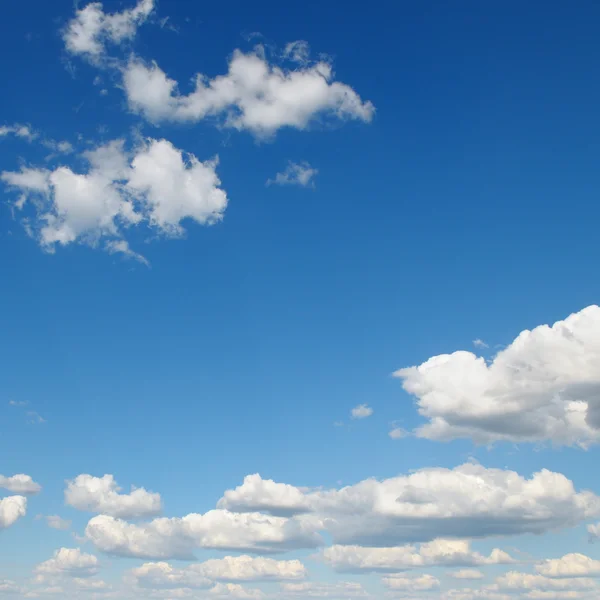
[[101, 495], [216, 529], [253, 95], [467, 501], [91, 28], [154, 184], [543, 386], [449, 553], [12, 508], [20, 484]]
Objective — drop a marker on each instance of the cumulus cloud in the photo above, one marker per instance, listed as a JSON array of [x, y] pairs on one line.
[[155, 184], [437, 553], [422, 583], [20, 484], [216, 529], [545, 386], [338, 590], [231, 568], [69, 561], [12, 508], [265, 495], [301, 174], [362, 411], [91, 29], [467, 501], [254, 95], [570, 565], [527, 582], [102, 495], [466, 574]]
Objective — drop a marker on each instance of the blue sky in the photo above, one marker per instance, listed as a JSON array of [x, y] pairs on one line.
[[398, 183]]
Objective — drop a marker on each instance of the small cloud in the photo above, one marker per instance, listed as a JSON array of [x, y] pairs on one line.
[[338, 424], [122, 247], [301, 174], [34, 418], [297, 51], [18, 403], [397, 432], [479, 343], [466, 574], [56, 522], [362, 411]]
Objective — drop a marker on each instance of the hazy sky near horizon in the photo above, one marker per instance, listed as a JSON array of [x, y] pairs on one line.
[[299, 301]]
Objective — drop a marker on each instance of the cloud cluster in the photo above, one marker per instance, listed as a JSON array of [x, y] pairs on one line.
[[545, 386], [217, 529], [438, 553], [254, 95], [467, 501], [370, 522], [229, 569], [21, 131], [91, 29], [102, 495], [155, 184]]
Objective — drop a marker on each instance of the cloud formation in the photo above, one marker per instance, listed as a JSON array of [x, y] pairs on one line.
[[155, 185], [254, 95], [102, 495], [20, 484], [545, 386], [217, 529], [362, 411], [467, 501], [12, 508], [301, 174], [91, 29], [438, 553]]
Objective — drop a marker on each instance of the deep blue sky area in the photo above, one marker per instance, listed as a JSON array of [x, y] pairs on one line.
[[466, 209]]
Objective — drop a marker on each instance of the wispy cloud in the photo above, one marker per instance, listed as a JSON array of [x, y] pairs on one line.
[[301, 174]]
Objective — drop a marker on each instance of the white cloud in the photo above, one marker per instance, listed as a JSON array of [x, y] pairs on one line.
[[301, 174], [422, 583], [21, 131], [69, 561], [479, 343], [432, 554], [515, 581], [228, 569], [265, 495], [56, 522], [91, 28], [12, 508], [339, 590], [102, 495], [467, 501], [570, 565], [254, 95], [362, 411], [298, 51], [216, 529], [543, 386], [122, 247], [397, 433], [155, 185], [466, 574], [20, 484]]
